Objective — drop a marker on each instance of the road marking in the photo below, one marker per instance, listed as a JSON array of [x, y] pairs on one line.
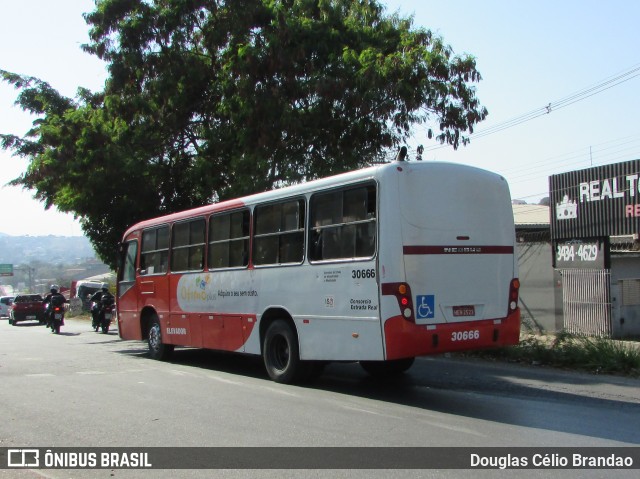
[[40, 375], [281, 391], [226, 381], [367, 411], [182, 373]]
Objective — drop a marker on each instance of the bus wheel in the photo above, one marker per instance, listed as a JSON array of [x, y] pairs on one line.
[[280, 353], [157, 349], [387, 368]]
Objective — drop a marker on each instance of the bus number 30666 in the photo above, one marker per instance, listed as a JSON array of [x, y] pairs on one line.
[[465, 335], [363, 273]]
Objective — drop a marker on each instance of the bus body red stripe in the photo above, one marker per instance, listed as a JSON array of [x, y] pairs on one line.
[[417, 250]]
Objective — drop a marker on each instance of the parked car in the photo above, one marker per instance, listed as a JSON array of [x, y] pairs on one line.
[[5, 305], [27, 307]]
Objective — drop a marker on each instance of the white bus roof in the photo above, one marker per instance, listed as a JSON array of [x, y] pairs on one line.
[[344, 178]]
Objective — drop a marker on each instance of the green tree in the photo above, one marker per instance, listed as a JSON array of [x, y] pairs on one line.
[[207, 100]]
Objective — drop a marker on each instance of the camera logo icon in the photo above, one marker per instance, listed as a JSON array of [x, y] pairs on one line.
[[23, 458]]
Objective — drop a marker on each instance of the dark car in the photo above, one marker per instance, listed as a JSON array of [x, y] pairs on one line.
[[26, 307]]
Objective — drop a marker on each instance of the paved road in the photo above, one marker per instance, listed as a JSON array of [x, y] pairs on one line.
[[83, 388]]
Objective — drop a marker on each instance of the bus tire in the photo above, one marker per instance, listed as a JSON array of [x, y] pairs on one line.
[[281, 354], [387, 368], [157, 349]]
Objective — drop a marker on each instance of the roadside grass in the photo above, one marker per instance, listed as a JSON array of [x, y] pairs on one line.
[[569, 351], [78, 314]]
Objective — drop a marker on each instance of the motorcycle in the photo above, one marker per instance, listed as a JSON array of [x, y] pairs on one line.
[[105, 309], [55, 313]]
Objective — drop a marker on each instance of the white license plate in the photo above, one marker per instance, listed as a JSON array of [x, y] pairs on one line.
[[107, 316], [464, 310], [31, 317], [58, 316]]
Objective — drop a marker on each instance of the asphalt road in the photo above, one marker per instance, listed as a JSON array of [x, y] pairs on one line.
[[82, 388]]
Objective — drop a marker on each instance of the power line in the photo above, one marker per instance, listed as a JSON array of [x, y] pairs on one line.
[[603, 85], [558, 159], [605, 155], [607, 152]]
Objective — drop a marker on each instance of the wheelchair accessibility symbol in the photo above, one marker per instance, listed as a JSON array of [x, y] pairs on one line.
[[426, 306]]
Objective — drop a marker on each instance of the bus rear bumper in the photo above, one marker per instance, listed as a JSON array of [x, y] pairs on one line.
[[404, 339]]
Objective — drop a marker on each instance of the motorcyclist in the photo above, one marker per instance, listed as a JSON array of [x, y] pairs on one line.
[[97, 297], [54, 292]]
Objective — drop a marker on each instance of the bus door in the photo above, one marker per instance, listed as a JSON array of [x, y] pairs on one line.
[[127, 302], [153, 279]]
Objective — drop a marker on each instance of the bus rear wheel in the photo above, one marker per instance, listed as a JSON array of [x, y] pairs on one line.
[[387, 368], [157, 349], [281, 354]]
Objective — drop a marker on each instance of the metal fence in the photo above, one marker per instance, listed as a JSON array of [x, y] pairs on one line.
[[586, 301]]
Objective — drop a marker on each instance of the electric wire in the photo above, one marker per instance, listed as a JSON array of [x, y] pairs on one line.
[[572, 98]]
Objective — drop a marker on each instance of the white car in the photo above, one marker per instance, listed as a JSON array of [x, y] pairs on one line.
[[5, 305]]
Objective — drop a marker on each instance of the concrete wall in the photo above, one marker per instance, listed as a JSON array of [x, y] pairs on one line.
[[625, 296], [537, 287], [541, 291]]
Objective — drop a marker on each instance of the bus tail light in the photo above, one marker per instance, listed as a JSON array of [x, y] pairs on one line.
[[514, 289], [402, 292]]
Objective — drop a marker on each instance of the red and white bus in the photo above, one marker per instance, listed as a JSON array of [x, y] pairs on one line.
[[378, 266]]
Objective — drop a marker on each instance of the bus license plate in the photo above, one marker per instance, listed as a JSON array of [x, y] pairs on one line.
[[31, 317], [464, 311]]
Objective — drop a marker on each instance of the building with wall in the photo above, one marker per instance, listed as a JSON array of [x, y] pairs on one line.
[[537, 295], [595, 219]]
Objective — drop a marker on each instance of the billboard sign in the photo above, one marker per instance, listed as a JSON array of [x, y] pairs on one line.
[[582, 254], [596, 202]]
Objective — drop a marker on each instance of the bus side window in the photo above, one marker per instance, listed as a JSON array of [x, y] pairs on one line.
[[154, 255], [279, 233], [187, 245], [229, 240], [344, 224], [127, 269]]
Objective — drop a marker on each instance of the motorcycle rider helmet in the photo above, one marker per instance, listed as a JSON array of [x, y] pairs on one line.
[[105, 287], [55, 288]]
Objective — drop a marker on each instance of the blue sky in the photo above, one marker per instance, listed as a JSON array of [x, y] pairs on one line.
[[530, 53]]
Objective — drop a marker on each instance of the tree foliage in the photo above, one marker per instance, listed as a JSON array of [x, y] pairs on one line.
[[207, 100]]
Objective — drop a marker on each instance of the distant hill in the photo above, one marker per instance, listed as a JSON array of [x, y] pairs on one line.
[[51, 249]]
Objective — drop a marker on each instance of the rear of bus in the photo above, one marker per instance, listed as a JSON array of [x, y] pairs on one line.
[[448, 260]]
